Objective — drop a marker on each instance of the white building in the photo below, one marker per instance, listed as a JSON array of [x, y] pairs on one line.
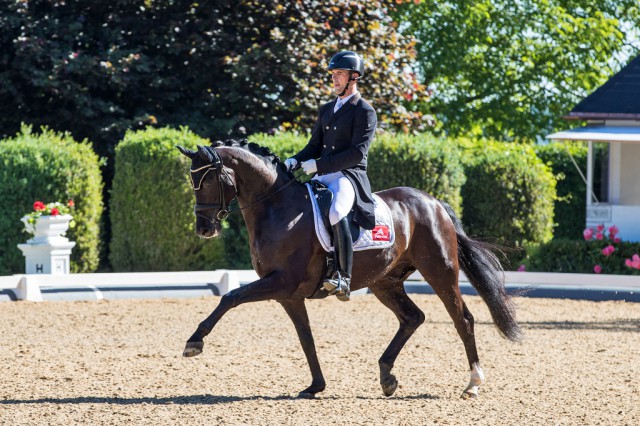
[[612, 113]]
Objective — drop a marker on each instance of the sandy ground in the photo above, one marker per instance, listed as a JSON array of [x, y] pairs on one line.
[[119, 362]]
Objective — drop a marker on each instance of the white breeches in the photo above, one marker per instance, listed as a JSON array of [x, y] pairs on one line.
[[343, 195]]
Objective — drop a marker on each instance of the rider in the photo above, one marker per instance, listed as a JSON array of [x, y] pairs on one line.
[[337, 152]]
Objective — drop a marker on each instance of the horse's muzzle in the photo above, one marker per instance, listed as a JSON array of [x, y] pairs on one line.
[[210, 230]]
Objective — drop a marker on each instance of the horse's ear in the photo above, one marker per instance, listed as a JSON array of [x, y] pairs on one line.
[[189, 153], [205, 153]]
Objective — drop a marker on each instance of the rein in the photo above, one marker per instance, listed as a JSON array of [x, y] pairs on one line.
[[224, 212]]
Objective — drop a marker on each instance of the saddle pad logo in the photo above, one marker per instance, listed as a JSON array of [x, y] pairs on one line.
[[381, 233]]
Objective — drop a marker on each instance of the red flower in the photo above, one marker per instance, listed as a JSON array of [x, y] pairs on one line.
[[55, 212], [38, 206], [70, 203]]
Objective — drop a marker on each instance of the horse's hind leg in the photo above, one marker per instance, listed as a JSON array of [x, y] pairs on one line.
[[410, 317], [446, 287]]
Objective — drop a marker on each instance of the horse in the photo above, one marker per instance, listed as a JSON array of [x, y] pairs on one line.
[[290, 260]]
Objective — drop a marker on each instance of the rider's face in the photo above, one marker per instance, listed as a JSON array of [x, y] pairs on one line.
[[340, 79]]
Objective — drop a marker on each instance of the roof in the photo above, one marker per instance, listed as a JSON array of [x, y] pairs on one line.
[[600, 133], [618, 98]]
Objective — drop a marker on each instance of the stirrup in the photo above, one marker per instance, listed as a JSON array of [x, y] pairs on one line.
[[339, 287]]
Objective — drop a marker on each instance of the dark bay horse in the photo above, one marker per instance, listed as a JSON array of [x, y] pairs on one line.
[[289, 258]]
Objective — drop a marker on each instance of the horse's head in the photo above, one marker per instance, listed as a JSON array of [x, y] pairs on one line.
[[214, 187]]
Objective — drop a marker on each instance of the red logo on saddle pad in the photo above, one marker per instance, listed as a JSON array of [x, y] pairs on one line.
[[381, 233]]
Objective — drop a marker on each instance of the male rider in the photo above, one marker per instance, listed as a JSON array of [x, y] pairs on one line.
[[337, 152]]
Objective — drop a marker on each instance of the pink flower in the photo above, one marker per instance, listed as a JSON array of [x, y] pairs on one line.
[[613, 231], [38, 206], [617, 240], [600, 228], [634, 262], [522, 268], [597, 269], [599, 235], [588, 234], [608, 250]]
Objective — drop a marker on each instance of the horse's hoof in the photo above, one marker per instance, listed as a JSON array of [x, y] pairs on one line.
[[389, 386], [469, 394], [311, 391], [192, 349], [306, 395]]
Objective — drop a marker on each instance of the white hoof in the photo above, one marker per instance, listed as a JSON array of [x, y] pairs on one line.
[[476, 379]]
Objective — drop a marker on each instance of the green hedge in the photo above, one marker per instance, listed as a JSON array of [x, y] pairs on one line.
[[569, 209], [49, 166], [422, 161], [151, 205], [508, 196], [580, 256], [431, 164]]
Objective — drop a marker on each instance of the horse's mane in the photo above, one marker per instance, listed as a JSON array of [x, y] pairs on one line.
[[261, 151]]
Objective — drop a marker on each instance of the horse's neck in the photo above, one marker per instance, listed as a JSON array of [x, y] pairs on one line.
[[255, 180], [260, 192]]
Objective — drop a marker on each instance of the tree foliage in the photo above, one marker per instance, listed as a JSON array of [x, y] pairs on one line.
[[99, 68], [506, 69]]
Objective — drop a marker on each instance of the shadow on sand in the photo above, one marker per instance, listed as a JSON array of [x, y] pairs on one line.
[[187, 400]]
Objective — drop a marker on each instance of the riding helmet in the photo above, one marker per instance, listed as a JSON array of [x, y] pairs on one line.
[[347, 60]]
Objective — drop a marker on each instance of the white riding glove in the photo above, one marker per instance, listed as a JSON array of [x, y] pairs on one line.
[[309, 167], [290, 163]]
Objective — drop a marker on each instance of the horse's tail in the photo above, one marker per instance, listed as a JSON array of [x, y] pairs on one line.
[[485, 273]]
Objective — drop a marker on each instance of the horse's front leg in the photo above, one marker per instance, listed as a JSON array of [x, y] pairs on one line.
[[298, 313], [269, 287]]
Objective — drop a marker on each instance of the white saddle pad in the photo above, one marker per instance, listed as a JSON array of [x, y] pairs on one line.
[[380, 237]]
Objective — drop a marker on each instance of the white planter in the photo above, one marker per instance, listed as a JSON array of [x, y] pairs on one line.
[[48, 229], [48, 252]]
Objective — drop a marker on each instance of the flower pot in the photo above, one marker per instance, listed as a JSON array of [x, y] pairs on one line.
[[48, 229]]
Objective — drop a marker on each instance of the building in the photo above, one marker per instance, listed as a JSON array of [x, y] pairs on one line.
[[612, 113]]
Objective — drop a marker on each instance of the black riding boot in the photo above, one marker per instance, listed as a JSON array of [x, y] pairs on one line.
[[340, 282]]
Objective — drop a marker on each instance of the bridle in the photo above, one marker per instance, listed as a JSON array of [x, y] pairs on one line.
[[218, 167]]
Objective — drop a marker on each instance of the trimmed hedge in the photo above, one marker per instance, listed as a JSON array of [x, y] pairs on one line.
[[508, 195], [49, 167], [431, 164], [151, 205], [580, 256], [569, 209], [423, 161]]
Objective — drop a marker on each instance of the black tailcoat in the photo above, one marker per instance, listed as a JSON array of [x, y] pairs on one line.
[[340, 142]]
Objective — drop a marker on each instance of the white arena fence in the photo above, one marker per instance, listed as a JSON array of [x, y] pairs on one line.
[[43, 287]]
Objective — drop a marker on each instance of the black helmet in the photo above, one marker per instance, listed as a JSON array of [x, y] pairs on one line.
[[347, 60]]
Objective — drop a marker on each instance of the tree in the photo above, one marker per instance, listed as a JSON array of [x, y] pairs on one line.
[[220, 67], [511, 69]]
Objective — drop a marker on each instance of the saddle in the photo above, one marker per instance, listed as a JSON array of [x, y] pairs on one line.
[[381, 236], [324, 198]]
